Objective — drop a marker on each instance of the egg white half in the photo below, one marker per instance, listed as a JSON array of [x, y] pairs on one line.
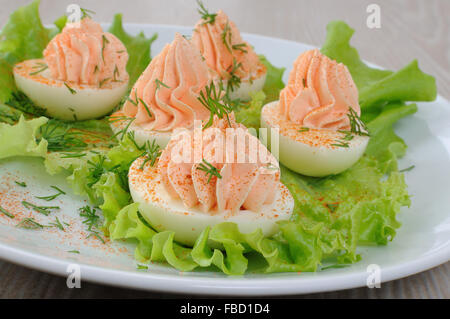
[[312, 153], [84, 102], [165, 213]]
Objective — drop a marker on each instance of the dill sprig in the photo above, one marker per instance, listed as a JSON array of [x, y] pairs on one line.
[[96, 170], [73, 155], [103, 82], [146, 107], [23, 103], [52, 197], [116, 73], [10, 118], [340, 143], [159, 84], [72, 91], [45, 210], [29, 223], [91, 220], [209, 169], [206, 16], [105, 41], [226, 37], [240, 47], [125, 129], [303, 129], [73, 251], [234, 80], [40, 66], [21, 184], [6, 213], [357, 126], [57, 224], [86, 13], [60, 137], [151, 151], [407, 169], [213, 100]]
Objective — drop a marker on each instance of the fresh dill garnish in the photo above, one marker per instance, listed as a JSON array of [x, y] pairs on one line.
[[41, 66], [60, 137], [125, 129], [357, 126], [103, 82], [6, 213], [206, 16], [21, 184], [96, 170], [29, 223], [73, 251], [135, 103], [214, 102], [407, 169], [57, 224], [86, 13], [45, 210], [96, 69], [159, 84], [105, 41], [146, 107], [240, 47], [138, 266], [91, 220], [340, 143], [116, 73], [304, 82], [73, 155], [133, 140], [120, 51], [23, 103], [72, 91], [234, 80], [10, 118], [52, 197], [303, 129], [335, 266], [347, 135], [226, 36], [152, 152], [209, 169]]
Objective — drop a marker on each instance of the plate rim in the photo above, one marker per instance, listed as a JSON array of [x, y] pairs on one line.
[[221, 286]]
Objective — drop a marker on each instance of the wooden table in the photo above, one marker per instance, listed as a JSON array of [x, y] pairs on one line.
[[409, 29]]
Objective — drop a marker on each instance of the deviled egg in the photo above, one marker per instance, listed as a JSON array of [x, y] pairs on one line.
[[320, 132], [225, 52], [82, 75], [166, 95], [201, 182]]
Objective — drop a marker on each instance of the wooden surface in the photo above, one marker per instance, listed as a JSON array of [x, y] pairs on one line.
[[410, 29]]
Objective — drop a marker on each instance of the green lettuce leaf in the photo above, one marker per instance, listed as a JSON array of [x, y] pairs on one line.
[[384, 144], [249, 114], [138, 48], [377, 86], [274, 80], [20, 139]]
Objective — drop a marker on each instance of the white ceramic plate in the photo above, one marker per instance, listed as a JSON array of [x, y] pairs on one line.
[[421, 243]]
